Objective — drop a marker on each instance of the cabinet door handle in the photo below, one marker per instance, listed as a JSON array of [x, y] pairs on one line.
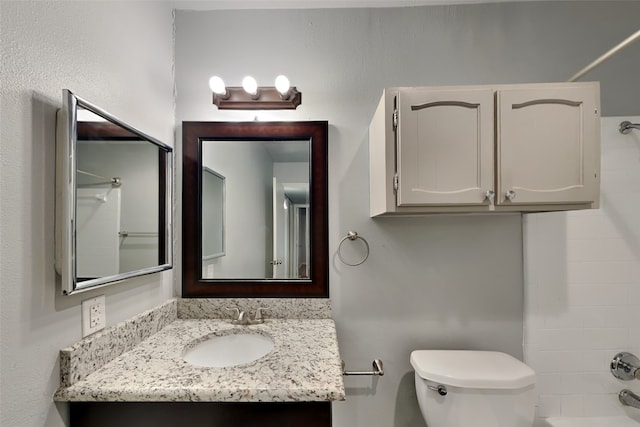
[[489, 195], [510, 195]]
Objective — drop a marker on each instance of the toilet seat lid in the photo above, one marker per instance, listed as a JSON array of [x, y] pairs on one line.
[[472, 369]]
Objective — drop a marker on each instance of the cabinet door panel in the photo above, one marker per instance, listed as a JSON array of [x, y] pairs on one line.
[[445, 147], [545, 145]]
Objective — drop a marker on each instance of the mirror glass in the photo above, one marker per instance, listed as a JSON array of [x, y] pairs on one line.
[[114, 190], [274, 209], [268, 198]]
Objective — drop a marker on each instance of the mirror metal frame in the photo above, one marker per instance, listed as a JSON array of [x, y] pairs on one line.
[[67, 129], [193, 134], [223, 215]]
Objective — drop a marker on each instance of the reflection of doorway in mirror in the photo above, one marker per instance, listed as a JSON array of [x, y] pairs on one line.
[[290, 231]]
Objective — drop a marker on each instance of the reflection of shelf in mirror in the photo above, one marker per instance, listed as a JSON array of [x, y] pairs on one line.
[[137, 234]]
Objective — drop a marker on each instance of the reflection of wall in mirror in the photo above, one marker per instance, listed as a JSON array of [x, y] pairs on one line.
[[291, 172], [247, 169], [137, 164]]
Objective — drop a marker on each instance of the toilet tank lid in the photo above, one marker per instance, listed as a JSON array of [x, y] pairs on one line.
[[472, 369]]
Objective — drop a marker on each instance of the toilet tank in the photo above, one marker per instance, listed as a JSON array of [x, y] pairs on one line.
[[483, 389]]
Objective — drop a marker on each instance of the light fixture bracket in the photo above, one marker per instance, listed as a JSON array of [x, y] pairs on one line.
[[269, 99]]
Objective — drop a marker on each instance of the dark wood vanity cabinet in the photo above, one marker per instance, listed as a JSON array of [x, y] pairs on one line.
[[200, 414]]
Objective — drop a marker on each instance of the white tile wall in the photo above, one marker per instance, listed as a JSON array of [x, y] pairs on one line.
[[582, 288]]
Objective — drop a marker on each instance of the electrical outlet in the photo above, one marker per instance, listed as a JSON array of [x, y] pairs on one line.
[[94, 316]]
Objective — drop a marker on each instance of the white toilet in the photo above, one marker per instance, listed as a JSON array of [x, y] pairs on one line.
[[458, 388]]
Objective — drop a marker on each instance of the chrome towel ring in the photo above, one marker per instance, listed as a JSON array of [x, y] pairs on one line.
[[352, 235]]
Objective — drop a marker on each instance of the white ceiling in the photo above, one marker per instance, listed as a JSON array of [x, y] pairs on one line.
[[318, 4]]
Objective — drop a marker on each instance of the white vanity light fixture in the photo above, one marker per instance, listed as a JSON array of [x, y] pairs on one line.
[[283, 86], [218, 87], [250, 96], [250, 85]]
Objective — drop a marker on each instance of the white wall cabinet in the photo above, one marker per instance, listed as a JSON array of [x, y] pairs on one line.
[[533, 147]]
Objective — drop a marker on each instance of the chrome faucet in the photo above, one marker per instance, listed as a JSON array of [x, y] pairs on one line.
[[625, 366], [629, 398], [239, 317]]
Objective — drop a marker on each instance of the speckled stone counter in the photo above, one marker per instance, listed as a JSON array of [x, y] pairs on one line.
[[304, 366]]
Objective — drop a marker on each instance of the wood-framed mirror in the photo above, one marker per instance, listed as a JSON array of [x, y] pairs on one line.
[[275, 209]]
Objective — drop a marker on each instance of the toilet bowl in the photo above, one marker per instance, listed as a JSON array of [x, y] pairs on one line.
[[458, 388]]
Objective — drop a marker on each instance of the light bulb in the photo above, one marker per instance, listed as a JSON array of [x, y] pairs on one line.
[[250, 85], [282, 85], [217, 85]]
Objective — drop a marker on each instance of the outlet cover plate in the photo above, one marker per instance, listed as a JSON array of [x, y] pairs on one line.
[[94, 316]]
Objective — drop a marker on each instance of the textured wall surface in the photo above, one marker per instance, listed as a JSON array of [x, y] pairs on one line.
[[117, 55], [433, 282]]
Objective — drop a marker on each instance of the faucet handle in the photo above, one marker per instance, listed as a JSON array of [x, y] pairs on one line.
[[258, 317], [236, 312], [625, 366]]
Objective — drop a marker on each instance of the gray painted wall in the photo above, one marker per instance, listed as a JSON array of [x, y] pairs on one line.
[[127, 70], [431, 282]]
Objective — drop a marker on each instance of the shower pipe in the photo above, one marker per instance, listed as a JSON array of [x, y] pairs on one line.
[[622, 45]]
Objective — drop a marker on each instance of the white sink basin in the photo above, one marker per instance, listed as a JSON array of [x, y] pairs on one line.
[[229, 350]]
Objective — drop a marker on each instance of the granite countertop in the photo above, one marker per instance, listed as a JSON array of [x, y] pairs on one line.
[[304, 365]]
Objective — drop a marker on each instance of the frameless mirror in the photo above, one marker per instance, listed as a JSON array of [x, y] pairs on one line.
[[274, 209], [113, 199]]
